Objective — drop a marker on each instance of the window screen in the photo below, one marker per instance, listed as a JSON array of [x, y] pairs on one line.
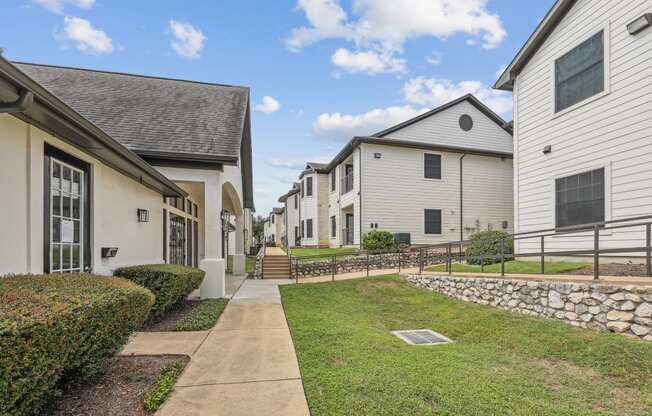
[[432, 166], [579, 199], [433, 221], [308, 228], [308, 186], [333, 180], [579, 74]]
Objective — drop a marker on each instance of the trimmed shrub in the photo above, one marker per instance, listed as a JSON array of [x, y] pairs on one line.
[[55, 327], [377, 240], [487, 243], [170, 283]]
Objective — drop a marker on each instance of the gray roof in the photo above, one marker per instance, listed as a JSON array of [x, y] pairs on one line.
[[296, 187], [152, 115], [278, 210]]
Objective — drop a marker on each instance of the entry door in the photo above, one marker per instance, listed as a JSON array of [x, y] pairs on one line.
[[66, 218], [349, 229]]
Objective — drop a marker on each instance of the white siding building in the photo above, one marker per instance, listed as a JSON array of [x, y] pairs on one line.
[[583, 121], [292, 207], [314, 206]]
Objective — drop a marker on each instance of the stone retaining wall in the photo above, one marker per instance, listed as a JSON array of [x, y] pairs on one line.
[[623, 309]]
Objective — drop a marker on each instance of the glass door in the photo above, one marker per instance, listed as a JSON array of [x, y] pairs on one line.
[[66, 218], [177, 239]]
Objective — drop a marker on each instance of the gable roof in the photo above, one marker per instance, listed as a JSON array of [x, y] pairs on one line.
[[468, 97], [278, 210], [151, 115], [296, 188], [51, 114], [315, 167], [534, 42]]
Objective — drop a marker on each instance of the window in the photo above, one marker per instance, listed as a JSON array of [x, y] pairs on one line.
[[333, 227], [308, 228], [431, 166], [296, 202], [272, 218], [303, 188], [333, 178], [579, 199], [303, 228], [579, 74], [308, 186], [433, 221]]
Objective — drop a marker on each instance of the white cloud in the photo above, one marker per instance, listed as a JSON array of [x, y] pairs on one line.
[[57, 6], [187, 41], [435, 92], [344, 126], [369, 62], [287, 163], [268, 105], [500, 71], [387, 25], [434, 58], [85, 37]]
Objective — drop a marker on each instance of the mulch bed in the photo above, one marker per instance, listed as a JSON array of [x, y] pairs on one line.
[[169, 321], [119, 391], [616, 269]]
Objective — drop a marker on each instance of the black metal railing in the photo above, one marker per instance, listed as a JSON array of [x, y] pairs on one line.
[[346, 184], [455, 251]]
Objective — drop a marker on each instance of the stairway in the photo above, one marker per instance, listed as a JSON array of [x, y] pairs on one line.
[[276, 266]]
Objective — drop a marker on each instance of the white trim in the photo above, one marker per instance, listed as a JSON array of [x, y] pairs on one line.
[[606, 29], [423, 166]]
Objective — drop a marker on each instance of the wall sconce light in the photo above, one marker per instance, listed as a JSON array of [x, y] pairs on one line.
[[378, 155], [143, 215], [547, 149], [639, 24]]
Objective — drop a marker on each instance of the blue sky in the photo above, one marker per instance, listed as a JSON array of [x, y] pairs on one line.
[[330, 69]]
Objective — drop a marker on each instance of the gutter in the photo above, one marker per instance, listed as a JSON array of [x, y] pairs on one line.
[[461, 197], [24, 101]]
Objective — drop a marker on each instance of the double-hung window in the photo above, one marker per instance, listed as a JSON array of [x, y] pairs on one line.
[[309, 186], [579, 74], [580, 199], [333, 227], [308, 228], [333, 178], [432, 220], [432, 166]]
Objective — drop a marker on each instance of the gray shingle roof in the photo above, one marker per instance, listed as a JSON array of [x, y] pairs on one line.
[[148, 114]]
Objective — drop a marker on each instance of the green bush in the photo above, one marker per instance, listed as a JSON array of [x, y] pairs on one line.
[[377, 240], [169, 374], [170, 283], [488, 243], [56, 327]]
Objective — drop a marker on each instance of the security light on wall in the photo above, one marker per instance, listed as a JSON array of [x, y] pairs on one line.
[[143, 215], [640, 24]]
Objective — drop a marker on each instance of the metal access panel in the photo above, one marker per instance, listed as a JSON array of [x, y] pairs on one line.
[[422, 337]]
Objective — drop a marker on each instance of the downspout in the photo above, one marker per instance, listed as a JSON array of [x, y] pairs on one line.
[[360, 193], [461, 198], [23, 102]]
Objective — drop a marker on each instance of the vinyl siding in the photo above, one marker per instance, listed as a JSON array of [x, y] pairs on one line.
[[612, 131], [292, 218], [443, 129], [395, 193], [315, 207]]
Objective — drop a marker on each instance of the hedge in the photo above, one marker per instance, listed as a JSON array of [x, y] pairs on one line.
[[378, 240], [488, 243], [170, 283], [55, 327]]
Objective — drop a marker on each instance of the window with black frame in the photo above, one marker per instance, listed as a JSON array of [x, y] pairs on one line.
[[308, 228], [432, 166], [308, 186], [579, 74], [580, 199], [432, 221]]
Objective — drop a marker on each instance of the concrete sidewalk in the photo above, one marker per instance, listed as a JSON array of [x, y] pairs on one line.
[[246, 366]]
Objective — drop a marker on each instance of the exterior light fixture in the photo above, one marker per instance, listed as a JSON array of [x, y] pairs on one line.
[[547, 149], [143, 215], [640, 24], [378, 155]]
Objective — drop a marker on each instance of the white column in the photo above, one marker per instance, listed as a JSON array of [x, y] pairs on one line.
[[213, 264], [239, 256]]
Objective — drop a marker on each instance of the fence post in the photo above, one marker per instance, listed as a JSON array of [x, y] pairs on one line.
[[502, 256], [449, 251], [596, 252], [333, 267], [296, 270], [400, 256], [367, 263], [481, 264], [543, 258], [420, 260], [648, 249]]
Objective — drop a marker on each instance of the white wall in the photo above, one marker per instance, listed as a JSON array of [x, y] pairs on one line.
[[613, 131], [292, 218], [443, 129], [115, 200], [315, 207], [395, 192]]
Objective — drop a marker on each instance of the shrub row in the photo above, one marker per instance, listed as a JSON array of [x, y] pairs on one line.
[[170, 283], [488, 243], [54, 327]]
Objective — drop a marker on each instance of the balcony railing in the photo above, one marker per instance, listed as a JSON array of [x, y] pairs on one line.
[[346, 184]]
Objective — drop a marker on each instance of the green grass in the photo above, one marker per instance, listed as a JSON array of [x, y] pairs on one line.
[[301, 251], [250, 264], [523, 267], [501, 363], [203, 317], [163, 385]]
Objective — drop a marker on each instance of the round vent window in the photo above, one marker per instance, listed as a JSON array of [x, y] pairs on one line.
[[466, 122]]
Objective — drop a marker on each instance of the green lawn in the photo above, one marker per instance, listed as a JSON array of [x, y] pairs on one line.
[[501, 363], [250, 264], [524, 267], [301, 251]]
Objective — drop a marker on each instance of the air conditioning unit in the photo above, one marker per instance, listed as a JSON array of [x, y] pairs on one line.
[[402, 238]]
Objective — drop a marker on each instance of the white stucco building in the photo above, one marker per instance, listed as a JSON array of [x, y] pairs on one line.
[[582, 122], [108, 170]]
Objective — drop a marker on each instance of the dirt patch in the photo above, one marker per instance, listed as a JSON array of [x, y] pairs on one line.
[[119, 391], [615, 269], [168, 322]]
